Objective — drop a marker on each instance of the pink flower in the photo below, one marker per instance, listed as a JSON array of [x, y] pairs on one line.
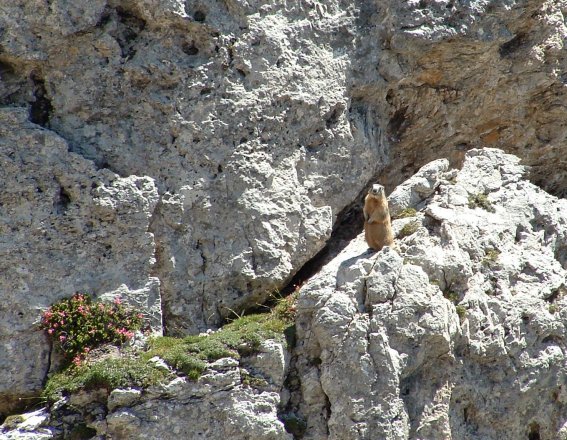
[[117, 300], [140, 316], [77, 360], [87, 349], [126, 333], [50, 331], [62, 338]]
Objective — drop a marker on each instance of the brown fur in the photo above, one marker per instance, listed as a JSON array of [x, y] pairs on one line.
[[377, 225]]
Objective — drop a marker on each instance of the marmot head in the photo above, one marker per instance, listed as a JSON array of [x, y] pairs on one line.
[[377, 190]]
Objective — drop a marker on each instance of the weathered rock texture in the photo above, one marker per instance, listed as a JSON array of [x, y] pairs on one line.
[[258, 122], [220, 405], [460, 75], [462, 335], [64, 228]]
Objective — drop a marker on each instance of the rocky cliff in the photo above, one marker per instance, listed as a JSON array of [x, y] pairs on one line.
[[458, 334], [192, 156]]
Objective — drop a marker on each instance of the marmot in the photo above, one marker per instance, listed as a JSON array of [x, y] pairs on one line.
[[377, 226]]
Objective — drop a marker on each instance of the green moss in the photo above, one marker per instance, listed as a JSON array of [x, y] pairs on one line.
[[480, 200], [407, 212], [461, 311], [553, 308], [409, 229], [240, 337], [12, 422], [109, 373], [252, 381], [451, 296], [491, 256]]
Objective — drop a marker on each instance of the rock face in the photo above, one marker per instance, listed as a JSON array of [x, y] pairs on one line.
[[237, 110], [220, 405], [65, 227], [461, 335], [228, 136], [462, 75], [243, 146]]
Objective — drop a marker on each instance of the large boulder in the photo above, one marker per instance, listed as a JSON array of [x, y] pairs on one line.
[[461, 334]]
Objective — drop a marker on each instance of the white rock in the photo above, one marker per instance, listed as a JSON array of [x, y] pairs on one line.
[[414, 367]]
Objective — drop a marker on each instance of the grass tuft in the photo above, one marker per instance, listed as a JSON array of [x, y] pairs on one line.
[[480, 200], [109, 373], [490, 257], [405, 213], [409, 229]]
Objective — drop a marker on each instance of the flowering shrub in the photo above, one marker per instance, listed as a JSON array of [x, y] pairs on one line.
[[78, 325]]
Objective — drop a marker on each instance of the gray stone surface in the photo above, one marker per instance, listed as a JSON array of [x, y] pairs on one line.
[[461, 335], [458, 334], [230, 134], [219, 405], [238, 110], [65, 227]]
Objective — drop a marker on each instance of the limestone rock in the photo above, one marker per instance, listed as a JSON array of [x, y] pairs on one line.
[[28, 426], [228, 136], [216, 406], [272, 363], [460, 335], [418, 187], [66, 227], [247, 138], [464, 75]]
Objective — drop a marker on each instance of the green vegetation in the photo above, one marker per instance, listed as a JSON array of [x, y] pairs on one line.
[[252, 381], [78, 325], [451, 296], [188, 356], [109, 373], [480, 200], [461, 311], [553, 308], [241, 337], [491, 256], [407, 212], [408, 229], [12, 422]]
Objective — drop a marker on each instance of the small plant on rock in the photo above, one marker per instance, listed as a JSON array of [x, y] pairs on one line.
[[451, 296], [491, 256], [405, 213], [408, 229], [461, 311], [77, 325], [480, 200]]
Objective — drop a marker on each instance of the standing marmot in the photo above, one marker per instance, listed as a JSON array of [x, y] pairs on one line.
[[377, 226]]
